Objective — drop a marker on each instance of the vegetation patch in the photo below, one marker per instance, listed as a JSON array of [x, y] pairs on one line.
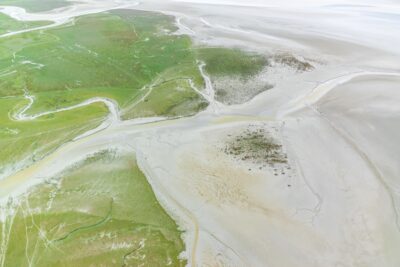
[[232, 62], [292, 62], [172, 97], [8, 24], [116, 55], [100, 212], [255, 145], [238, 76], [234, 90], [24, 142], [235, 74]]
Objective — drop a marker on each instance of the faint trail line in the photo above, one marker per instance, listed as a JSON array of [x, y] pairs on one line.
[[82, 228], [141, 161], [6, 235], [226, 246], [312, 98], [55, 24], [317, 208], [124, 258], [325, 87], [365, 158]]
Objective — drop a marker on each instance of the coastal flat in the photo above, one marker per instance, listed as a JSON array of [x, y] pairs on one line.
[[199, 133]]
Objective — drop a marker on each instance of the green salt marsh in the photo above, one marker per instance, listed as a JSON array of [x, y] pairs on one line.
[[99, 212]]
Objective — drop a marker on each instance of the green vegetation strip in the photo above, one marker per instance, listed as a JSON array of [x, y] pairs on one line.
[[85, 227], [232, 62], [71, 221], [8, 24]]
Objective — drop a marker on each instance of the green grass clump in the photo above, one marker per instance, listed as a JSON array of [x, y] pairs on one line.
[[100, 212], [8, 24], [36, 5], [231, 62]]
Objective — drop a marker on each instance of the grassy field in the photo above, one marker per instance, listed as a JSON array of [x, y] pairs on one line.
[[234, 73], [113, 55], [100, 212], [36, 5], [177, 99], [28, 141], [122, 55], [8, 24], [232, 62]]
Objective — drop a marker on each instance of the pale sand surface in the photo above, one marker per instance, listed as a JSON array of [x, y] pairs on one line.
[[338, 124]]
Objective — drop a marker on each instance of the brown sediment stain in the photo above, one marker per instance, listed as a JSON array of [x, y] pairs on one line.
[[214, 179], [218, 180]]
